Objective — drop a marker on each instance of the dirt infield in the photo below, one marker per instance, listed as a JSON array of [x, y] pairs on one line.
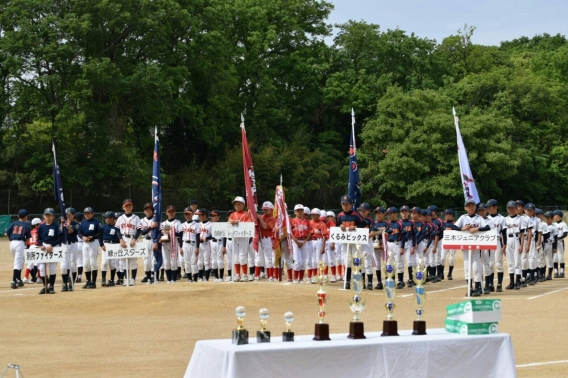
[[151, 330]]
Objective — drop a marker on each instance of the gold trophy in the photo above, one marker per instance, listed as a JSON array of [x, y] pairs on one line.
[[322, 329], [288, 335], [390, 326], [165, 238], [356, 303], [263, 336], [240, 335], [419, 278]]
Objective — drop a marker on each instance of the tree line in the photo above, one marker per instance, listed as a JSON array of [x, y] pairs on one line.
[[98, 76]]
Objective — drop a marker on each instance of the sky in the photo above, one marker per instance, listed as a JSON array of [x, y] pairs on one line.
[[495, 20]]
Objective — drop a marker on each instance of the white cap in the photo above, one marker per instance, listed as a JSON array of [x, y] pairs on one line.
[[268, 205], [315, 211], [239, 199], [36, 221], [330, 213], [306, 210], [323, 213], [298, 207], [195, 218]]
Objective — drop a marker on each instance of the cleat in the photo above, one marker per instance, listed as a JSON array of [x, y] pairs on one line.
[[296, 281], [549, 277], [92, 285], [450, 277], [271, 279], [499, 288], [441, 277], [400, 285], [561, 275], [541, 279], [517, 287], [243, 278], [262, 275], [511, 286], [64, 288], [409, 283], [229, 279], [333, 279], [86, 285], [51, 290], [43, 291], [524, 284], [13, 285], [20, 283], [491, 288], [78, 280], [486, 291], [379, 286], [145, 279], [27, 281], [70, 287], [556, 275], [110, 283], [532, 282], [476, 293], [103, 283], [250, 278], [133, 282], [347, 285], [256, 279], [314, 280], [33, 280], [369, 286]]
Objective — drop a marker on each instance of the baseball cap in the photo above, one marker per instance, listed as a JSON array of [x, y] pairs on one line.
[[405, 208], [434, 208], [530, 206], [88, 210], [449, 211], [306, 210], [268, 205], [315, 211], [323, 213], [238, 199], [511, 204], [148, 205], [492, 202], [127, 202], [520, 203], [467, 202], [78, 216], [194, 202], [428, 212], [22, 213], [539, 212], [109, 214], [548, 214], [392, 210], [201, 212], [416, 209], [558, 212], [346, 199], [36, 221], [423, 212], [49, 211], [215, 213], [380, 209], [365, 206], [299, 207], [330, 214], [70, 210], [187, 210], [170, 208], [481, 206]]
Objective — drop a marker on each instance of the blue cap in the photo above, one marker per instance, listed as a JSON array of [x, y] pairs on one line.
[[530, 206], [70, 210], [416, 209], [22, 213], [449, 211], [392, 210], [548, 214], [428, 213], [539, 212], [49, 211], [558, 212], [109, 214], [365, 206], [492, 202], [520, 203], [433, 208], [511, 204], [193, 202], [380, 209], [405, 208], [481, 206], [346, 199], [467, 202], [88, 210]]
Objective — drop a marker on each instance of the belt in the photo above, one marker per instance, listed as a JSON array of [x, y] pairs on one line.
[[148, 238], [189, 242], [395, 242], [229, 238], [127, 236], [110, 242], [266, 237]]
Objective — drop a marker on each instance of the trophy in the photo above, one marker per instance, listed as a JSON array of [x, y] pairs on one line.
[[356, 303], [240, 335], [322, 329], [288, 335], [419, 278], [263, 336], [390, 327], [165, 238]]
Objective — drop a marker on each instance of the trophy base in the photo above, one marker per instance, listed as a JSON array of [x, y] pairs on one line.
[[287, 336], [240, 337], [262, 336], [356, 331], [390, 328], [419, 327], [322, 332]]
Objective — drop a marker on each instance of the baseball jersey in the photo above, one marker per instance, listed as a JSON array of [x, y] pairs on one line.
[[395, 231], [513, 226], [111, 234], [408, 230], [146, 227], [270, 221], [73, 237], [49, 234], [33, 239], [427, 234], [380, 226], [439, 229], [319, 229], [190, 230], [172, 224], [496, 222], [561, 229], [474, 221], [90, 228], [241, 216], [19, 231], [300, 228], [205, 231], [553, 231], [350, 218], [129, 225]]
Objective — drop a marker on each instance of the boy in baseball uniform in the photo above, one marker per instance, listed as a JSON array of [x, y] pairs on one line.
[[79, 218], [49, 236], [514, 226], [110, 235], [203, 248], [188, 241], [217, 251], [69, 265], [130, 229], [301, 234], [147, 225], [90, 231], [562, 232], [551, 244], [267, 222], [170, 232], [18, 232], [318, 241], [33, 243], [365, 210], [240, 244], [409, 242], [448, 224], [331, 248]]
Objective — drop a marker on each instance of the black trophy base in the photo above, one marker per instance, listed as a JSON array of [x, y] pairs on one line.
[[356, 331], [240, 337], [287, 336], [262, 336], [390, 328], [322, 332], [419, 327]]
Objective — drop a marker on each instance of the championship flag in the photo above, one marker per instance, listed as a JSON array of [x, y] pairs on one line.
[[354, 187], [469, 188], [250, 185], [156, 197], [282, 225], [57, 188]]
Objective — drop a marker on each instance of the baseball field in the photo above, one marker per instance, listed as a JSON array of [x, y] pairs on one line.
[[151, 330]]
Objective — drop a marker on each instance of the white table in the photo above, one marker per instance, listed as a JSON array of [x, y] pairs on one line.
[[438, 354]]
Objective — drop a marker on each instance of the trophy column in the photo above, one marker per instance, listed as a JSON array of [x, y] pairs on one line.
[[356, 303], [419, 277], [390, 326], [321, 328]]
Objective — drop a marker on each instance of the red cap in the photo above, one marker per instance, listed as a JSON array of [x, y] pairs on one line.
[[170, 208], [148, 206], [126, 202]]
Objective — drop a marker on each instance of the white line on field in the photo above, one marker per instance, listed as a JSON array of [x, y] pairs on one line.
[[550, 292], [542, 363], [436, 291]]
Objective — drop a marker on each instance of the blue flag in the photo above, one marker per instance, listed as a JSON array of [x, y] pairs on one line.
[[354, 188], [156, 198], [57, 188], [468, 183]]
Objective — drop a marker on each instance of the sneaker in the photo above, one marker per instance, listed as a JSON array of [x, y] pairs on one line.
[[262, 275], [50, 290], [43, 291], [400, 285], [145, 279], [476, 293], [155, 282], [86, 285], [511, 286], [486, 291], [103, 283], [184, 276], [441, 277], [162, 278], [549, 277], [290, 280], [524, 284], [314, 280], [26, 280], [561, 275], [531, 282], [78, 280], [302, 282], [296, 281], [271, 279], [133, 282], [517, 287], [333, 279], [556, 275], [491, 288], [379, 286], [243, 278], [110, 283], [499, 288], [256, 279], [92, 285], [450, 277], [369, 286], [250, 278], [347, 285], [541, 278], [39, 281], [64, 288], [13, 285], [20, 283], [409, 283], [229, 279], [237, 277], [70, 287]]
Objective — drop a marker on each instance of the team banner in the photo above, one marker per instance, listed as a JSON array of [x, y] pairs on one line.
[[250, 185], [464, 240], [57, 187], [282, 225], [37, 256], [354, 187], [226, 230], [357, 236], [115, 251], [156, 196], [468, 183]]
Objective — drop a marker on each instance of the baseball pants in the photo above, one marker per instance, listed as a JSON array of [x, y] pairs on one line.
[[229, 254], [80, 255], [513, 255], [419, 252], [395, 249], [533, 255], [431, 253], [169, 259], [70, 263], [315, 253], [367, 257], [106, 263], [488, 262], [204, 256], [266, 253], [331, 254], [451, 253], [300, 256], [499, 258], [548, 254], [285, 254], [476, 265], [188, 254], [217, 255], [378, 258], [559, 255], [90, 255], [148, 258], [240, 251], [410, 257], [17, 248], [524, 257]]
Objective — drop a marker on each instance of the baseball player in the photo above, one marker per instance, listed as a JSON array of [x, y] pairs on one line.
[[318, 241], [551, 244], [562, 232], [79, 219], [110, 235], [408, 242], [171, 231], [514, 226], [525, 233], [49, 235], [267, 241], [430, 237], [147, 225], [533, 241], [90, 231], [497, 222], [69, 265], [437, 248], [348, 220], [32, 242], [228, 244], [218, 249], [188, 241], [241, 244], [394, 244], [365, 210], [448, 224], [330, 248], [130, 229], [418, 226], [487, 258], [18, 232], [380, 225], [544, 235], [301, 234], [203, 248]]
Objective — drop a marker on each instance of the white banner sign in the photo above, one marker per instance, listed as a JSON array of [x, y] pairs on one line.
[[36, 255], [483, 240], [115, 251], [227, 230], [357, 236]]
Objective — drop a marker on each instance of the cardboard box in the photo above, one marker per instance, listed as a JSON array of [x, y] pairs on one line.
[[475, 311], [464, 328]]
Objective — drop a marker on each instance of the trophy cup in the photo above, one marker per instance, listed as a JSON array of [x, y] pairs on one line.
[[322, 329], [165, 238], [356, 303], [419, 278], [240, 335], [288, 335], [390, 326], [263, 336]]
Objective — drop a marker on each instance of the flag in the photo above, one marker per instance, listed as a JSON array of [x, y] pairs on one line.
[[57, 188], [468, 183], [354, 187], [282, 224], [156, 197], [250, 185]]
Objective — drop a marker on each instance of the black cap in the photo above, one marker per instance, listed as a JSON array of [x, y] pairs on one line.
[[193, 202], [88, 210], [70, 210], [433, 208], [187, 210], [380, 209], [201, 212], [365, 206], [481, 206], [49, 211], [109, 214], [416, 209], [148, 205], [449, 211], [22, 213], [520, 203], [492, 202], [405, 208], [346, 199], [78, 216], [215, 213], [392, 209]]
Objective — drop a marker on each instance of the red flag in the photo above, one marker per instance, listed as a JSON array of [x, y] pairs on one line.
[[250, 186], [282, 226]]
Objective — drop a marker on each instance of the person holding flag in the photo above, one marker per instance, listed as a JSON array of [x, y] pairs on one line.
[[282, 229]]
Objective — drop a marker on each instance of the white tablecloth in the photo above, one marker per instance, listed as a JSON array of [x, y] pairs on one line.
[[438, 354]]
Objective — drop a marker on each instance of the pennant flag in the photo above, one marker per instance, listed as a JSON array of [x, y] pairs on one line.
[[354, 187], [156, 199], [468, 183], [250, 185], [57, 188], [282, 225]]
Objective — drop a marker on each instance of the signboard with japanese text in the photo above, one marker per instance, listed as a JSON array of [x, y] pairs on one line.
[[37, 256], [115, 251], [464, 240], [357, 236], [227, 230]]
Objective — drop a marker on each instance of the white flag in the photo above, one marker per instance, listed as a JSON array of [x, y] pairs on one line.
[[468, 183]]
